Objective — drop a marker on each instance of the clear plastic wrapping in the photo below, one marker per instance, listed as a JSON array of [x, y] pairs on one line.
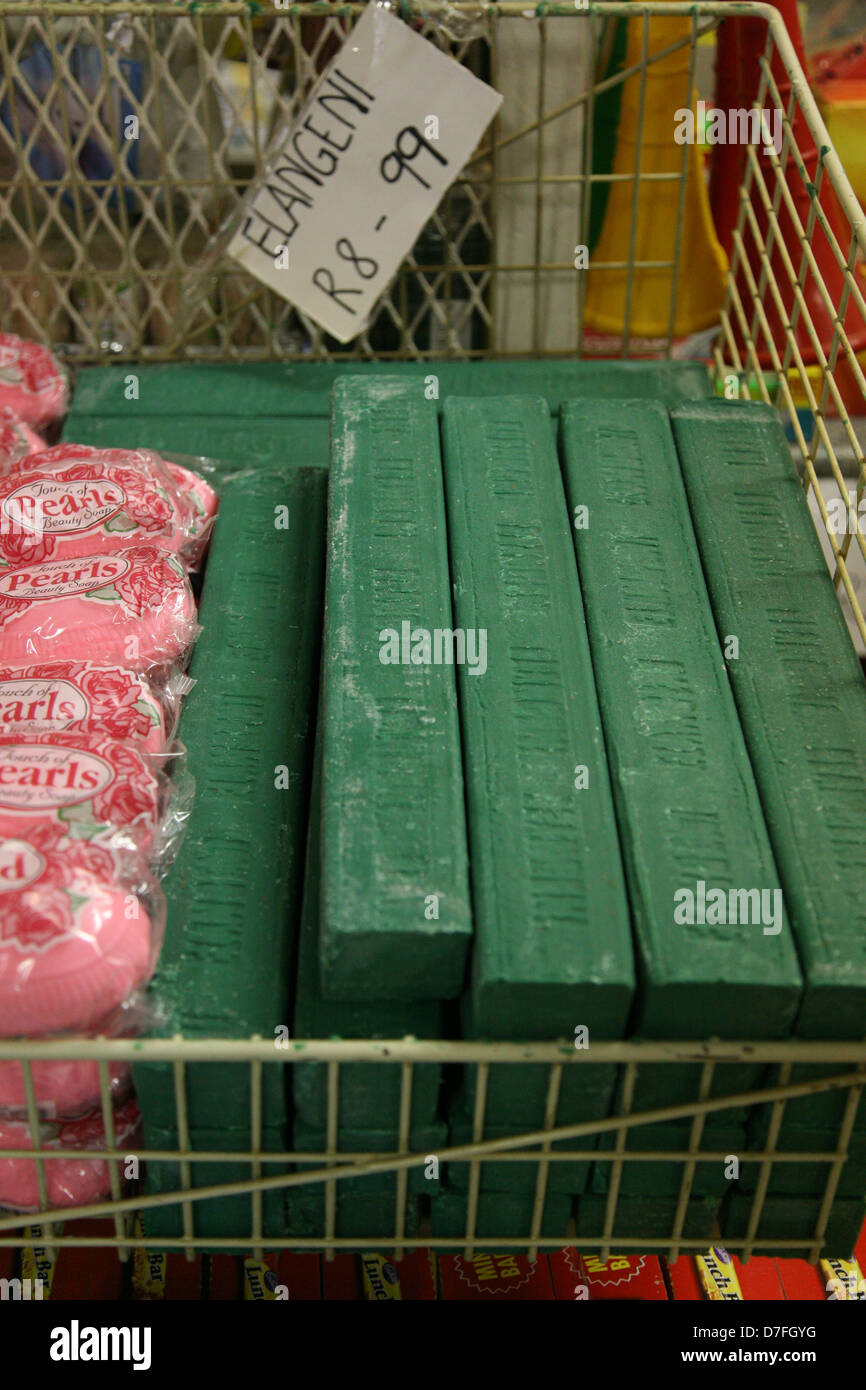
[[33, 385], [133, 608], [202, 500], [84, 697], [71, 1181]]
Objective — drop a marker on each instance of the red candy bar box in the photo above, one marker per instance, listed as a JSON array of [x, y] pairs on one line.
[[586, 1277]]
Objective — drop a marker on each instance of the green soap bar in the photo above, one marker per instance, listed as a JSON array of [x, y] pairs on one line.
[[500, 1216], [261, 605], [687, 804], [425, 1139], [219, 1217], [226, 440], [810, 1179], [369, 1095], [797, 1116], [564, 1177], [553, 948], [660, 1084], [824, 1110], [644, 1218], [803, 1177], [361, 1217], [787, 1218], [663, 1178], [395, 915], [254, 391], [235, 888], [517, 1092], [798, 686]]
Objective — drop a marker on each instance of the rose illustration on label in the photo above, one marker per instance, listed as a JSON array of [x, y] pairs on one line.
[[69, 879]]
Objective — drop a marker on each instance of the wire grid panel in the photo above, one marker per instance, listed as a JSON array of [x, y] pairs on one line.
[[100, 236], [110, 247], [125, 143], [847, 1060]]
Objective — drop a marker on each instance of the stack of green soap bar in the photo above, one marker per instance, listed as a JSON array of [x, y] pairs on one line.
[[663, 1177], [395, 914], [505, 1215], [215, 1217], [360, 1215], [799, 691], [567, 1177], [552, 948], [650, 1218], [426, 1139], [517, 1092], [369, 1094], [802, 704], [785, 1217], [687, 805], [823, 1110], [224, 966], [802, 1178], [689, 813]]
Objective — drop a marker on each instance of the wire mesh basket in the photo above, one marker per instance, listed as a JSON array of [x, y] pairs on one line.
[[128, 135]]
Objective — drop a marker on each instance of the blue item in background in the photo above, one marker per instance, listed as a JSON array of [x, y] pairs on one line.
[[43, 121]]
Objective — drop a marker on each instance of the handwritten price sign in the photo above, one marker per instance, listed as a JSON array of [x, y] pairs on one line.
[[390, 125]]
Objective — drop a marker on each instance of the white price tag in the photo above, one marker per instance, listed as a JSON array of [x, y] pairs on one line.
[[390, 125]]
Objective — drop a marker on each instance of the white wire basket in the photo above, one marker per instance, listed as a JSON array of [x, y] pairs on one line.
[[98, 240]]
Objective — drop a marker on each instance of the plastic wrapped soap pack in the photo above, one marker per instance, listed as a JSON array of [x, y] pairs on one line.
[[132, 608], [73, 500], [70, 1180], [34, 387], [97, 620], [92, 698]]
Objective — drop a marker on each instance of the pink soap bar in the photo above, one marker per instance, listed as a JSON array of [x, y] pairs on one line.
[[63, 1089], [84, 786], [79, 934], [32, 382], [79, 697], [70, 1181], [17, 440], [72, 500], [134, 609]]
